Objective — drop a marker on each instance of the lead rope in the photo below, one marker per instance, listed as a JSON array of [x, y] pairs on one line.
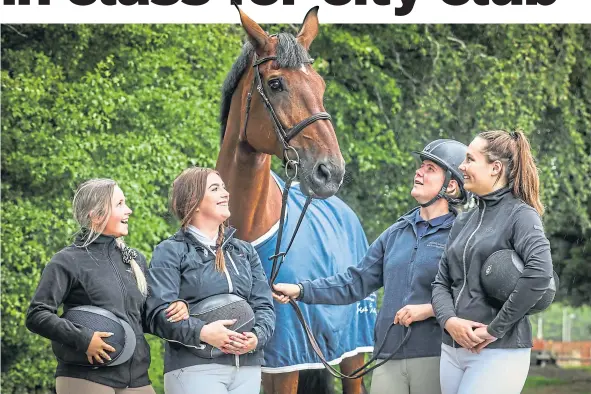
[[278, 259]]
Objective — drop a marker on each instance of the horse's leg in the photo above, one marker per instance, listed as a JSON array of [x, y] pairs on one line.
[[348, 365], [281, 383]]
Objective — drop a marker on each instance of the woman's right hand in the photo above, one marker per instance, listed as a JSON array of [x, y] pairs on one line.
[[462, 331], [217, 335], [284, 291], [97, 349]]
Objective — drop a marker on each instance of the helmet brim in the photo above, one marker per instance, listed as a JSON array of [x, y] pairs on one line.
[[428, 156]]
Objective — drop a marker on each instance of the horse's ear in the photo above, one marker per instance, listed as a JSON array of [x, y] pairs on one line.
[[256, 34], [309, 28]]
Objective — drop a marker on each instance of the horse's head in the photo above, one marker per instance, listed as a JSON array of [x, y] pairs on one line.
[[294, 114]]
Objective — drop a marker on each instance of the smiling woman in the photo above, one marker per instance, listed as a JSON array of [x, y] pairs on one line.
[[500, 170], [99, 271], [203, 260], [117, 222], [410, 248]]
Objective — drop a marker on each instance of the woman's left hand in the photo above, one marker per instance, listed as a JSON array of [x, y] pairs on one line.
[[482, 333], [412, 313], [240, 346], [177, 311]]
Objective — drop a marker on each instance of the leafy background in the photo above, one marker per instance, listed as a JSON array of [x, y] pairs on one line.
[[139, 103]]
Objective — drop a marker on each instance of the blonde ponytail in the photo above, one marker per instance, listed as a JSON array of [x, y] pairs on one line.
[[140, 278]]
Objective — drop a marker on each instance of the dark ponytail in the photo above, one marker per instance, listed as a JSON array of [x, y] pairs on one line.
[[514, 151], [526, 182]]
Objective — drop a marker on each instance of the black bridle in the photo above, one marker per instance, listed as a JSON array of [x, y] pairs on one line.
[[285, 135]]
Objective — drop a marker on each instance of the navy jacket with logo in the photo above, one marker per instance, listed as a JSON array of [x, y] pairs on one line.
[[405, 265]]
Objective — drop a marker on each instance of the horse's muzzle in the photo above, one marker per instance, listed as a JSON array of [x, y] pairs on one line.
[[323, 180]]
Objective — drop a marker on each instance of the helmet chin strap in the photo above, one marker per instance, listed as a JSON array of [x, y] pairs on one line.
[[442, 193]]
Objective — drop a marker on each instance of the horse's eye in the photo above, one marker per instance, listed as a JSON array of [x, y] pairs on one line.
[[276, 85]]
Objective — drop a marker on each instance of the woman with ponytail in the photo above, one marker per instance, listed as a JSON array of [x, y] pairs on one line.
[[98, 269], [487, 349], [201, 260]]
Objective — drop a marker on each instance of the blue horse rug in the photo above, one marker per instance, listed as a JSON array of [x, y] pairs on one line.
[[330, 239]]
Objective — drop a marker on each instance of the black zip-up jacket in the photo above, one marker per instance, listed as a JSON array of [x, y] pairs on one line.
[[500, 221], [183, 268], [95, 275]]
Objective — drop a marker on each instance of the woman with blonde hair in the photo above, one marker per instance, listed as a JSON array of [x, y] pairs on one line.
[[202, 260], [486, 349], [97, 270]]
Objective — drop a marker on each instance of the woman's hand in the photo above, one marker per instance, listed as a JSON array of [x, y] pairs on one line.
[[240, 346], [411, 313], [97, 349], [177, 311], [483, 334], [217, 335], [461, 330], [284, 291]]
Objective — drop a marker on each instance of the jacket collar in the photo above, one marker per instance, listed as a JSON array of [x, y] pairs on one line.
[[183, 235], [495, 197], [101, 239], [410, 218]]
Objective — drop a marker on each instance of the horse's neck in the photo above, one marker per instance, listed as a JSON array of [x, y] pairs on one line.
[[255, 199]]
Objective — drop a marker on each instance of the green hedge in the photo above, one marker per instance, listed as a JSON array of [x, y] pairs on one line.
[[138, 103]]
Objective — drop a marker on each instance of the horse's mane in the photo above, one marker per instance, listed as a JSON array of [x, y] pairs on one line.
[[290, 54]]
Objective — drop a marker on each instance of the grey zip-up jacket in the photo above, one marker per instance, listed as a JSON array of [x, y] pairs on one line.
[[500, 221], [184, 268]]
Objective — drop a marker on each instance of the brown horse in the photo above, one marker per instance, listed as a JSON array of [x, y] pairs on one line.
[[295, 91]]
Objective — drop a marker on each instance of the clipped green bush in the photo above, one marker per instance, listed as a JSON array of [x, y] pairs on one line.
[[139, 103]]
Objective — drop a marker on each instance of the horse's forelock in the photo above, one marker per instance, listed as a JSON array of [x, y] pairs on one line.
[[290, 54]]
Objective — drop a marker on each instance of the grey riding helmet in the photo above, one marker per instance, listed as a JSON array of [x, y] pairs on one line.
[[499, 275], [447, 154], [98, 319], [221, 307]]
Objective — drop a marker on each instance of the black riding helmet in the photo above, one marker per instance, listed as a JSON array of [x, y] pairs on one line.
[[447, 154], [98, 319]]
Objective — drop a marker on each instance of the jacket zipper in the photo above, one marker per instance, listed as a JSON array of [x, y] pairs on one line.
[[237, 356], [230, 288], [234, 265], [464, 256], [228, 278], [124, 293], [410, 271]]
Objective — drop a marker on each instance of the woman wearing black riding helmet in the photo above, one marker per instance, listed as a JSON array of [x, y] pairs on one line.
[[403, 260]]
